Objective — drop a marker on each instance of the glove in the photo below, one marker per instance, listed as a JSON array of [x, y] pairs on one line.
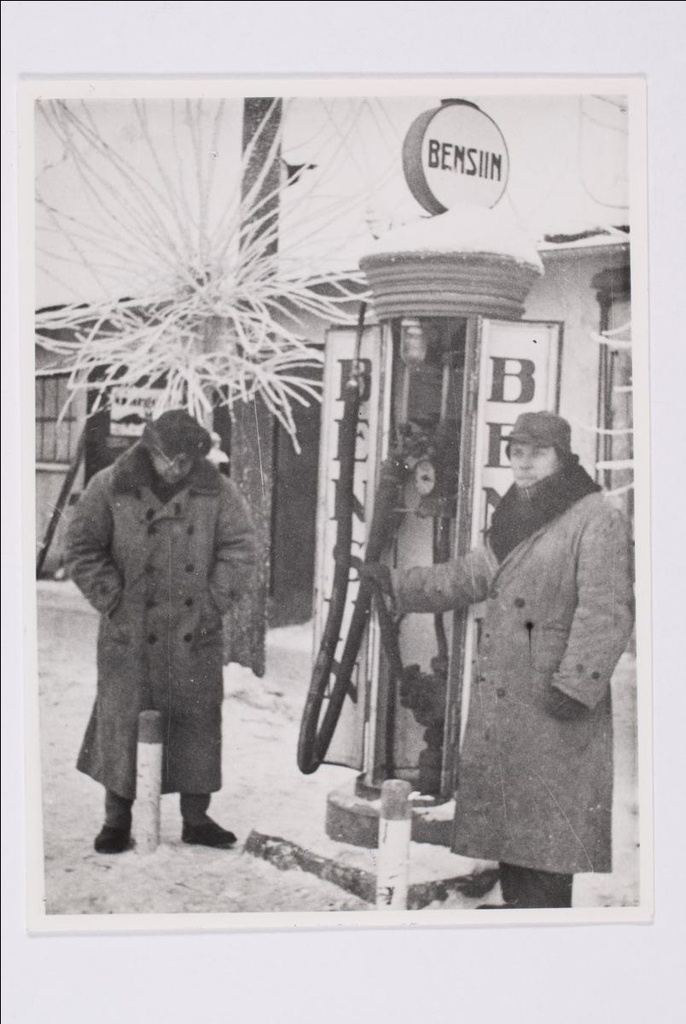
[[564, 708], [376, 572]]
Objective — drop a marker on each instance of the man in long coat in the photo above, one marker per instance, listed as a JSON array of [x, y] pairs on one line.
[[535, 776], [161, 544]]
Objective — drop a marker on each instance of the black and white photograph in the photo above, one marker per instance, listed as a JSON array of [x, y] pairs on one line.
[[342, 485], [340, 502]]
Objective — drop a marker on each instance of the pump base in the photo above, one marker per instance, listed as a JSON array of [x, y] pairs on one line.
[[354, 819], [427, 890]]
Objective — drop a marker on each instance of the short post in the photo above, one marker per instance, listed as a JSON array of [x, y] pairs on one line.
[[148, 781], [395, 826]]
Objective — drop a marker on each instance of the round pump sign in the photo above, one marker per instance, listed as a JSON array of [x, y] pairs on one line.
[[454, 155]]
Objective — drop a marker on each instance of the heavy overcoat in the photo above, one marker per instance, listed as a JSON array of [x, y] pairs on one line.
[[161, 575], [533, 790]]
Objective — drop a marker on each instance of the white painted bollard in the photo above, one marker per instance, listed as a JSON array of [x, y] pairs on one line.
[[395, 826], [148, 781]]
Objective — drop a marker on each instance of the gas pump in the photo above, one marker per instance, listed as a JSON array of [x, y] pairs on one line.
[[418, 475], [417, 408], [426, 424]]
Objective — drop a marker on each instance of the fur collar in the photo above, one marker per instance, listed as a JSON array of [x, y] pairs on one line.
[[132, 471], [523, 511]]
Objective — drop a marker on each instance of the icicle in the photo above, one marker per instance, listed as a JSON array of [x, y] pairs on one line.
[[602, 339]]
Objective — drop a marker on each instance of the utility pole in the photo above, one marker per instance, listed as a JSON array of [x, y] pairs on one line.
[[252, 427]]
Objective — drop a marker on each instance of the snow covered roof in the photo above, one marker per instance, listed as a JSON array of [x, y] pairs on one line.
[[599, 238]]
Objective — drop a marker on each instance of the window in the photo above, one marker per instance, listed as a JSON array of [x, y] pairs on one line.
[[56, 426]]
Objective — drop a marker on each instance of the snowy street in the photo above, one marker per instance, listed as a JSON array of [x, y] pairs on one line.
[[263, 791]]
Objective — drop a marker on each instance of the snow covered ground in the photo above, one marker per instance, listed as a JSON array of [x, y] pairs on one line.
[[263, 791]]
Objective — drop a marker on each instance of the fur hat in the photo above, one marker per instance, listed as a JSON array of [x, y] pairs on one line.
[[176, 433]]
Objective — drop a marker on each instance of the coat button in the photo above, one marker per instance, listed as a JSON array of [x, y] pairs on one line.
[[519, 602], [579, 667], [152, 639], [595, 675], [191, 530], [500, 692], [150, 603], [188, 602], [190, 567], [188, 637], [149, 569]]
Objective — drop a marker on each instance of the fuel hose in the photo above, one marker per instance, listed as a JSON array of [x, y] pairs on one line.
[[309, 740], [385, 506]]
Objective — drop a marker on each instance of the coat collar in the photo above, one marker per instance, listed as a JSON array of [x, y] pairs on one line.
[[132, 472]]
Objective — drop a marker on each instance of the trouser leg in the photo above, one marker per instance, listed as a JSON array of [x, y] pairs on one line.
[[117, 810], [194, 808], [530, 888]]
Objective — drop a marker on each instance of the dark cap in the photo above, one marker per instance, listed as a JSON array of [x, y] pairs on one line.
[[176, 432], [544, 429]]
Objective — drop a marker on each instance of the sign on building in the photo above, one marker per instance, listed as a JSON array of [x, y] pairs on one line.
[[453, 155], [130, 408]]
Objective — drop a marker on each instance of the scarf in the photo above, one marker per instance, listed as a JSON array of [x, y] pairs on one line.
[[163, 491], [524, 510]]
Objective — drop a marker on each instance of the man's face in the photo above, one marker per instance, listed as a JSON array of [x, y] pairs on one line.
[[531, 463], [171, 470]]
